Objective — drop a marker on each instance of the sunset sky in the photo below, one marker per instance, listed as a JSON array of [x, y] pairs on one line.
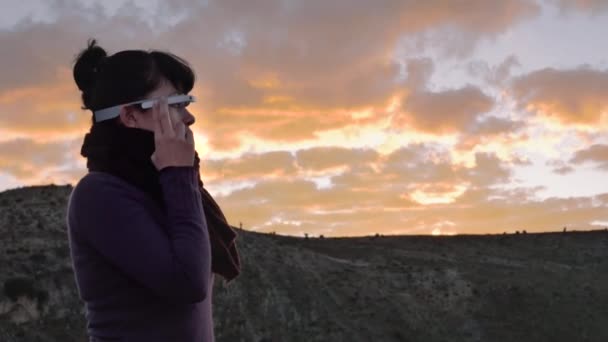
[[343, 118]]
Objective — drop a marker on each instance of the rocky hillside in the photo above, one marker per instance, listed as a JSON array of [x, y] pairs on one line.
[[526, 287]]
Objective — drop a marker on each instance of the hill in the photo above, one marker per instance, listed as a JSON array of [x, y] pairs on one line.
[[525, 287]]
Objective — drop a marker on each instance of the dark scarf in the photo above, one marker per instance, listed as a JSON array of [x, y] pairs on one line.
[[125, 152]]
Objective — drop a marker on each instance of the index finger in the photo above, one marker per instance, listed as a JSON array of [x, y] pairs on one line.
[[158, 129], [165, 119]]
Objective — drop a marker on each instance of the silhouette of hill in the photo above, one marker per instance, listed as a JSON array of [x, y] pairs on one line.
[[525, 287]]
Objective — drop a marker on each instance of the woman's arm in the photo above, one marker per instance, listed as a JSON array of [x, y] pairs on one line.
[[112, 219]]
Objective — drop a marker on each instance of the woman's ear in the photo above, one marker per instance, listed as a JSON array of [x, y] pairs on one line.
[[127, 117]]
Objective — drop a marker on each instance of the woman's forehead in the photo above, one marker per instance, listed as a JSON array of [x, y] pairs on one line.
[[164, 89]]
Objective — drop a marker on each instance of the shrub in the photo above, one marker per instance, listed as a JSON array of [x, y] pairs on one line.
[[20, 286], [42, 297], [38, 257]]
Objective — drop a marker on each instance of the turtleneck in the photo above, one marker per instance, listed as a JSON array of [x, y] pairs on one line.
[[144, 274], [124, 152]]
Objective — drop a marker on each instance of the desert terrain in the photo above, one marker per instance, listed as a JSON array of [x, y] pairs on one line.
[[507, 287]]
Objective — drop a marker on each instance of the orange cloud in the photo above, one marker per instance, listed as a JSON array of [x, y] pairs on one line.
[[278, 205], [270, 81], [226, 127], [492, 130], [241, 54], [322, 158], [444, 112], [266, 165], [434, 193], [597, 153], [576, 96], [244, 60], [46, 109], [28, 160]]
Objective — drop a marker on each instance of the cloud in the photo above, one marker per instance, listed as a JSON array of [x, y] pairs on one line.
[[444, 112], [285, 73], [575, 96], [323, 158], [591, 6], [419, 163], [260, 57], [462, 24], [365, 179], [27, 159], [533, 215], [493, 125], [495, 75], [597, 153], [44, 48], [46, 109], [227, 127], [489, 170], [344, 210], [419, 71], [492, 129], [250, 165], [387, 200], [37, 91], [560, 167]]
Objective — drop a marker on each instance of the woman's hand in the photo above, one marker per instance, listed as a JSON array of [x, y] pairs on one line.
[[174, 142]]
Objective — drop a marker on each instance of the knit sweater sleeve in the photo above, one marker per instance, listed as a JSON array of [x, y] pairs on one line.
[[175, 263]]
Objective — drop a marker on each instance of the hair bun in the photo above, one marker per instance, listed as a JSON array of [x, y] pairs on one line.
[[87, 65]]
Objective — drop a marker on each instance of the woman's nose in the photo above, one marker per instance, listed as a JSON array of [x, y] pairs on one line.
[[188, 118]]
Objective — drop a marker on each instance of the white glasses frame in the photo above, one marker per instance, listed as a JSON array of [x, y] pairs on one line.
[[114, 111]]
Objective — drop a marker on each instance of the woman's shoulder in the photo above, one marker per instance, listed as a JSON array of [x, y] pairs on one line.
[[96, 178], [101, 184], [98, 192]]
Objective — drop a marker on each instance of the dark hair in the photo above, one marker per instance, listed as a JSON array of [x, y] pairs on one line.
[[126, 76]]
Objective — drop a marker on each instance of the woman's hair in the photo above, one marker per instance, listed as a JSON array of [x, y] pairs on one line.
[[126, 76]]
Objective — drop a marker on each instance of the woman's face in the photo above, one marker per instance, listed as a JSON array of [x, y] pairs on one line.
[[132, 117]]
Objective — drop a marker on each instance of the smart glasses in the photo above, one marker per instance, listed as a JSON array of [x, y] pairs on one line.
[[175, 101]]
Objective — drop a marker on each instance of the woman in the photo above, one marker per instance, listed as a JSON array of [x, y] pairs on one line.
[[145, 236]]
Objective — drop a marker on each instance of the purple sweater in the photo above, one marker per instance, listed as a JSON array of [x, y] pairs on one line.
[[144, 275]]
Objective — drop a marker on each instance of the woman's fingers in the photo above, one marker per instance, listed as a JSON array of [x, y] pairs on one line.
[[158, 129], [190, 137], [165, 118], [175, 147], [180, 130]]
